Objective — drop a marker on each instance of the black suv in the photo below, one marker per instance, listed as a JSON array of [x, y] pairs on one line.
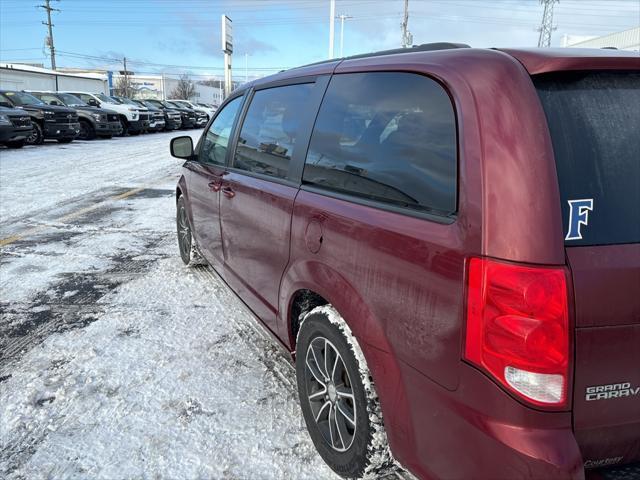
[[189, 118], [94, 121], [157, 121], [15, 126], [172, 118], [48, 121]]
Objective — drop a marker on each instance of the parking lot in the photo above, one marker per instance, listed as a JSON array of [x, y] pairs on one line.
[[117, 361]]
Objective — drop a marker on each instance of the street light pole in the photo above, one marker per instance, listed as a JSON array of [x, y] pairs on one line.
[[342, 18], [332, 16]]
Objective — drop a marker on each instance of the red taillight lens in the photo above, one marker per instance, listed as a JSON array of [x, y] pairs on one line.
[[518, 327]]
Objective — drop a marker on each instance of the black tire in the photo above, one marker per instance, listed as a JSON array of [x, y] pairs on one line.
[[189, 252], [15, 144], [65, 140], [356, 446], [36, 137], [87, 132], [125, 126]]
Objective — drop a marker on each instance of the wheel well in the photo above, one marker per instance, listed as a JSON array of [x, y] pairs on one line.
[[303, 301]]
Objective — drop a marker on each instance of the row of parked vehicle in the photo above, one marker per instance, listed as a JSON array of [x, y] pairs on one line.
[[31, 117]]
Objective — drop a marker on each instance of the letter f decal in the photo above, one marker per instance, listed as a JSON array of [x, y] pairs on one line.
[[578, 216]]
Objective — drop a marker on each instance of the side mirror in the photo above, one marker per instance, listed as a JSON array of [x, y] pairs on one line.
[[6, 105], [93, 103], [182, 147]]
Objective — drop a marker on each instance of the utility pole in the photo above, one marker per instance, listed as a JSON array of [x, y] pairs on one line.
[[342, 18], [126, 78], [47, 6], [407, 38], [227, 48], [546, 27], [332, 17]]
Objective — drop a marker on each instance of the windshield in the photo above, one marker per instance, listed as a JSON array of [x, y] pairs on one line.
[[106, 99], [71, 100], [173, 105], [594, 124], [21, 98]]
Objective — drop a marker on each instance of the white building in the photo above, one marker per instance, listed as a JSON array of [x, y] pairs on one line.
[[15, 76], [162, 86], [625, 40]]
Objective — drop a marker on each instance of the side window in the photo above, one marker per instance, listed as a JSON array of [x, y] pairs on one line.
[[269, 131], [388, 137], [84, 97], [215, 143]]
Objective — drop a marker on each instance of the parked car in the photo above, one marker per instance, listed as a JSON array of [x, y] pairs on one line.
[[143, 112], [157, 122], [172, 118], [94, 121], [47, 121], [210, 106], [187, 116], [198, 107], [449, 243], [201, 116], [15, 126], [128, 114]]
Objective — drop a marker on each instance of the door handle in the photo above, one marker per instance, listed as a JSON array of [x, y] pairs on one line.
[[215, 186], [228, 192]]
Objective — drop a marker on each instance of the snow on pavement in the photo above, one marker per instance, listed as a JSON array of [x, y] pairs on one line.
[[117, 361]]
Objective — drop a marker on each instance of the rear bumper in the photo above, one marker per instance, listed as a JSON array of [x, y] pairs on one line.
[[61, 130], [9, 133], [477, 431]]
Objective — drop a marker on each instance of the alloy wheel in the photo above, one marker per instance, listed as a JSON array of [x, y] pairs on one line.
[[34, 137], [330, 394], [184, 233]]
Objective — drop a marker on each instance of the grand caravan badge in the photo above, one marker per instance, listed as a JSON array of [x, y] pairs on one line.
[[613, 390]]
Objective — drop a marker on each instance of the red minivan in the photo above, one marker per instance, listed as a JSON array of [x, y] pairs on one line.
[[447, 240]]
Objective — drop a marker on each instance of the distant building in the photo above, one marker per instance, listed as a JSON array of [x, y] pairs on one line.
[[16, 76], [625, 40]]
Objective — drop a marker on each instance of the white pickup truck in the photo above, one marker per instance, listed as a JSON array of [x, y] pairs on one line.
[[129, 115]]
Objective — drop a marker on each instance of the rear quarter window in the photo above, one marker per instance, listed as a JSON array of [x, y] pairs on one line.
[[386, 137], [594, 122]]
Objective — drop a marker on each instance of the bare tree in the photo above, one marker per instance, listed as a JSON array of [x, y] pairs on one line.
[[124, 86], [185, 89]]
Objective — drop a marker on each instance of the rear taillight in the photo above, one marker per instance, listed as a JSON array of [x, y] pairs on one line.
[[518, 328]]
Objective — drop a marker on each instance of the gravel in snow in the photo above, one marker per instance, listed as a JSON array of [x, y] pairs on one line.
[[116, 361]]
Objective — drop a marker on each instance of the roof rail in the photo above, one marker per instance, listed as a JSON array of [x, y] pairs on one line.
[[425, 47]]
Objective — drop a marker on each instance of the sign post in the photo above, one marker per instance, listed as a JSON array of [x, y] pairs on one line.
[[227, 48]]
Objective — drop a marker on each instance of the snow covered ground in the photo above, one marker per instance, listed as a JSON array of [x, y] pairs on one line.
[[116, 361]]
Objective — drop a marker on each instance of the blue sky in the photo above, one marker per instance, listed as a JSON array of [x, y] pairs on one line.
[[175, 36]]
